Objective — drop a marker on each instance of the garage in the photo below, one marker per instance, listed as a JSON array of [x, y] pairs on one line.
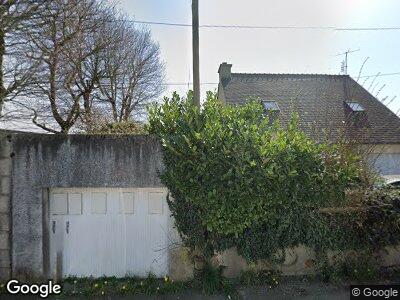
[[108, 232]]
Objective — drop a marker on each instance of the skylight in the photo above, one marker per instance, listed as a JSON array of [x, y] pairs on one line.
[[270, 105], [355, 106]]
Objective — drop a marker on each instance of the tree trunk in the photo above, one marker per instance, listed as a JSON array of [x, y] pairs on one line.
[[114, 111], [87, 105]]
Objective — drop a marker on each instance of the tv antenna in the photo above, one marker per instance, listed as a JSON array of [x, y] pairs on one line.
[[344, 64]]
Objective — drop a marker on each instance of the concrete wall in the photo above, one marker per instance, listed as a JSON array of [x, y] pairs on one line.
[[387, 163], [5, 206], [42, 161], [385, 158], [298, 261]]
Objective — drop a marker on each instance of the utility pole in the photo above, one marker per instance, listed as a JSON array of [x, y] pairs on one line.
[[199, 259], [196, 63]]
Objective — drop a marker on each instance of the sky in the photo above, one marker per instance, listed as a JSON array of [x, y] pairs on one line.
[[276, 50]]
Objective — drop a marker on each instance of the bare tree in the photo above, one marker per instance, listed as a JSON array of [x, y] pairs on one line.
[[85, 63], [15, 16], [133, 71], [84, 55], [61, 47]]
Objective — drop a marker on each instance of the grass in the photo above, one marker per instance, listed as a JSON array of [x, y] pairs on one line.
[[110, 286], [212, 282], [251, 277]]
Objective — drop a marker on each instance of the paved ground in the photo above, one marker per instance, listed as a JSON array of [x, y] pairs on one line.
[[298, 289], [288, 289], [302, 288]]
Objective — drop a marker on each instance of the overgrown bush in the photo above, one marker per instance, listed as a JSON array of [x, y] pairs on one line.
[[213, 282], [237, 179], [372, 223], [252, 277], [357, 266], [128, 127]]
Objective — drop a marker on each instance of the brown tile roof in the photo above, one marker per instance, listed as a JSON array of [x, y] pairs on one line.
[[320, 102]]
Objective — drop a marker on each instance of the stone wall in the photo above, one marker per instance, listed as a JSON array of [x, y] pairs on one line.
[[5, 206]]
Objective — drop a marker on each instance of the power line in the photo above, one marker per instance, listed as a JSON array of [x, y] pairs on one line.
[[366, 28], [347, 52], [212, 83], [268, 27], [186, 83], [380, 75], [157, 23]]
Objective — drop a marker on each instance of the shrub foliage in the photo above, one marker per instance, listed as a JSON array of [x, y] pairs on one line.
[[237, 179], [126, 127]]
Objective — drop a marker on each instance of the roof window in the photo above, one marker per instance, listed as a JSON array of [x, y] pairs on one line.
[[355, 106], [270, 105]]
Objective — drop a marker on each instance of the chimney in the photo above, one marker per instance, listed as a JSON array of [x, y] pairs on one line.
[[224, 71]]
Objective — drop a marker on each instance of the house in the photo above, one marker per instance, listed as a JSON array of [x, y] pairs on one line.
[[82, 205], [328, 106]]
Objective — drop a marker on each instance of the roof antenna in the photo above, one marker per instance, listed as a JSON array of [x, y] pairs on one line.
[[344, 65]]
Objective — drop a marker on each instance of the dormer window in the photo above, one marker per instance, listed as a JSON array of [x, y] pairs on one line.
[[355, 106], [272, 110], [271, 106], [355, 115]]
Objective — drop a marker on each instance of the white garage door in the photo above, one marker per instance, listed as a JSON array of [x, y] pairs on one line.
[[108, 232]]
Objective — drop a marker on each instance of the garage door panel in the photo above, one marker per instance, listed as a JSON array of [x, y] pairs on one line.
[[60, 204], [114, 234], [79, 253], [127, 203], [74, 203], [156, 203], [99, 203]]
